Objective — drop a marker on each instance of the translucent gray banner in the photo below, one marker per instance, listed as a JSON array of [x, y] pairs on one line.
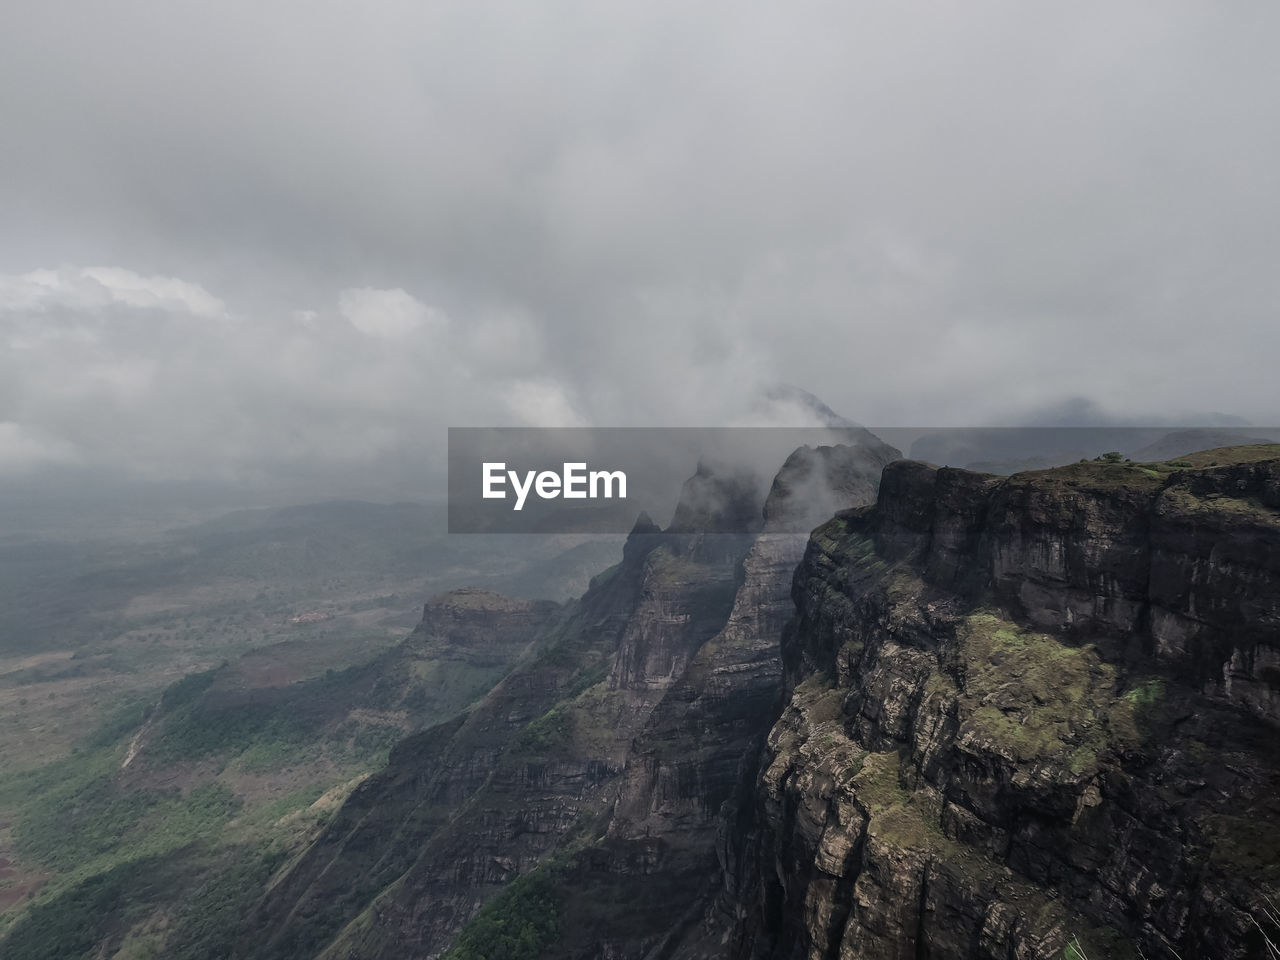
[[743, 479]]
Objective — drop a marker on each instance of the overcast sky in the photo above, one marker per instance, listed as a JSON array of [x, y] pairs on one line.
[[251, 240]]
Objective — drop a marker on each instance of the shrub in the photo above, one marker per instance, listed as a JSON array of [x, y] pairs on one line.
[[516, 925]]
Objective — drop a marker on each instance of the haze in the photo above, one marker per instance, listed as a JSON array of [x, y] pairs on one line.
[[269, 246]]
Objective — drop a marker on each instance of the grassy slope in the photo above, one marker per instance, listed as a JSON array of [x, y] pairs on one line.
[[249, 756], [222, 791]]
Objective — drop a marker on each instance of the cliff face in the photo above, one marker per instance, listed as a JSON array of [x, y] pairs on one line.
[[698, 751], [1022, 711], [982, 718], [464, 807], [601, 763]]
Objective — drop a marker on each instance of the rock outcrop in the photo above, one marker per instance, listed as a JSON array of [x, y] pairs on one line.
[[1023, 713]]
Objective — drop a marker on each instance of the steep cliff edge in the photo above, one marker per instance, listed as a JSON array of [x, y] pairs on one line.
[[1023, 711], [645, 886], [596, 770], [464, 807]]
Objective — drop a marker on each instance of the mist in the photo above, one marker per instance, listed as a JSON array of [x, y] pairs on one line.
[[275, 254]]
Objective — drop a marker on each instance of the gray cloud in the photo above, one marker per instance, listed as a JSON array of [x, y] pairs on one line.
[[269, 240]]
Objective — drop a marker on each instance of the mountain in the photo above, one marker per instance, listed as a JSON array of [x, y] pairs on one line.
[[969, 716], [598, 767], [1023, 713], [156, 833]]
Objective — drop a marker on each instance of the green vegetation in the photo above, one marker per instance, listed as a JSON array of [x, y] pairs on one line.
[[1112, 469], [1038, 698], [190, 733], [1132, 715], [122, 855], [203, 892], [290, 803], [188, 689], [210, 914], [831, 535], [100, 834], [70, 924], [587, 678], [71, 831], [820, 698], [899, 816], [1097, 475], [518, 924], [436, 688], [1034, 696], [583, 724], [121, 720], [248, 669], [1221, 456], [1222, 507], [283, 728], [545, 733], [836, 540]]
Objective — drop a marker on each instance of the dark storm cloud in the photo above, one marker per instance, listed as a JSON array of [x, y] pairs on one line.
[[268, 238]]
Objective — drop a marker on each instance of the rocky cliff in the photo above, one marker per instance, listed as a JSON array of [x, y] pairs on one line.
[[1023, 714], [985, 717], [599, 766], [698, 751]]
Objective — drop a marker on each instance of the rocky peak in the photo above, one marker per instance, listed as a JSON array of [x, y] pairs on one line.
[[815, 483], [718, 498]]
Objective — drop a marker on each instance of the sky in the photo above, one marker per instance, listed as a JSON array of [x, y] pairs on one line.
[[283, 245]]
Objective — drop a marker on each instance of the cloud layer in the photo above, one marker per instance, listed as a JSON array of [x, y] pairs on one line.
[[329, 234]]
